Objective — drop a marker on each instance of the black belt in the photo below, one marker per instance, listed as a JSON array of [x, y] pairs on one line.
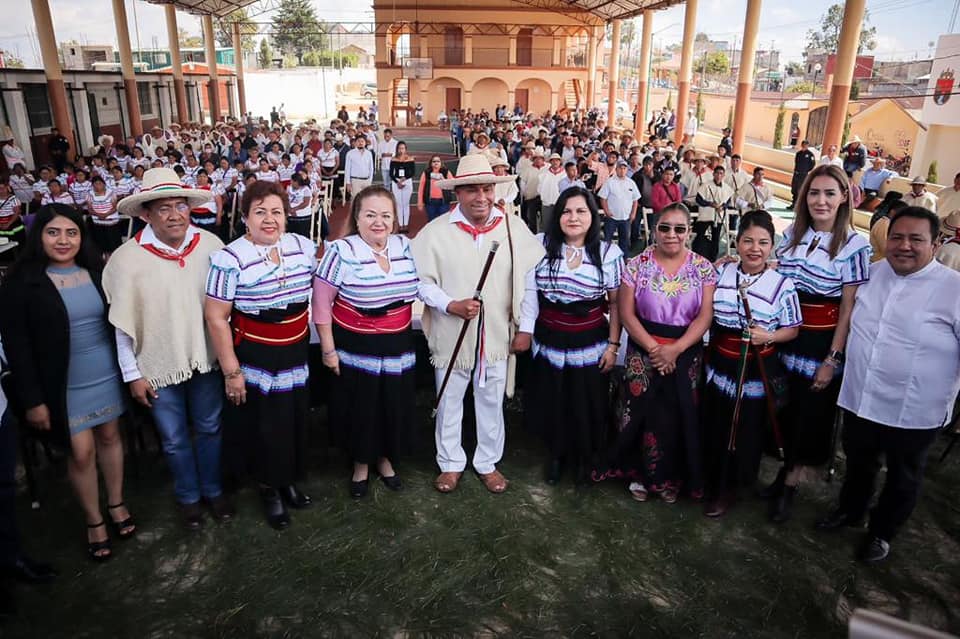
[[354, 177]]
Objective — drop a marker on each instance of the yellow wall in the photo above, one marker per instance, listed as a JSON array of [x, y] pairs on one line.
[[939, 143], [889, 126]]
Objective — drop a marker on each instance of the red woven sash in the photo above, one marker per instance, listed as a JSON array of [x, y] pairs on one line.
[[568, 323], [822, 316], [283, 333], [475, 231], [393, 321], [729, 344]]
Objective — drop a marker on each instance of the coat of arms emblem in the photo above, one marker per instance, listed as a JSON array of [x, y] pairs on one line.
[[944, 87]]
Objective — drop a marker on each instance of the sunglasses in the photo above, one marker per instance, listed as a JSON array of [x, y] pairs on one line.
[[679, 229]]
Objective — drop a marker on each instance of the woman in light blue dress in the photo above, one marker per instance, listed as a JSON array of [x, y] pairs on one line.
[[61, 351]]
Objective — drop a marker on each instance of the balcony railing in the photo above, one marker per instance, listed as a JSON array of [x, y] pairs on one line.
[[497, 57]]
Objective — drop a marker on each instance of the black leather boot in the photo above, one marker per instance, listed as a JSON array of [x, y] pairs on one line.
[[775, 489], [276, 512], [782, 507]]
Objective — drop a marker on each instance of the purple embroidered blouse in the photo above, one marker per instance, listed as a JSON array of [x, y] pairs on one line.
[[658, 297]]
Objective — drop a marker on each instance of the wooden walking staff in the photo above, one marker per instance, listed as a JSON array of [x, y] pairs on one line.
[[463, 329], [767, 390]]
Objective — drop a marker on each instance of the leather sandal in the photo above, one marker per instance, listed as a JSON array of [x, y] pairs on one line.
[[125, 529], [99, 550], [447, 482], [495, 482]]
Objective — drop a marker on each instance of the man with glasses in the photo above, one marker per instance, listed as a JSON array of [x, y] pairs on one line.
[[155, 287]]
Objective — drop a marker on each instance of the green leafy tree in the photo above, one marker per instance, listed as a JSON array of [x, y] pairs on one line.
[[778, 127], [730, 117], [670, 100], [265, 56], [932, 173], [795, 68], [188, 41], [701, 112], [223, 30], [846, 127], [10, 61], [802, 87], [716, 63], [296, 29], [854, 90], [827, 37]]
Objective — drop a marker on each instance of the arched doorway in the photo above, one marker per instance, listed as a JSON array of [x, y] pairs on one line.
[[443, 94], [488, 93], [534, 95]]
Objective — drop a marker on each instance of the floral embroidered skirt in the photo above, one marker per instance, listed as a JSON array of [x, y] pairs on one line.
[[657, 438]]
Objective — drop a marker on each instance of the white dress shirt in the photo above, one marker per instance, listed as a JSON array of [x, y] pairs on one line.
[[359, 164], [903, 352]]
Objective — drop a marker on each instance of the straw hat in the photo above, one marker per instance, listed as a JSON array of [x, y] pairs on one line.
[[856, 139], [918, 180], [473, 169], [105, 140], [950, 225], [6, 133], [161, 183], [497, 160]]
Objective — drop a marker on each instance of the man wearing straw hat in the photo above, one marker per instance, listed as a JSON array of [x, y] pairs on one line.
[[450, 253], [949, 252], [155, 286]]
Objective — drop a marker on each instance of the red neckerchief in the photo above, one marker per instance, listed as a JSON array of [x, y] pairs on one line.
[[168, 255], [478, 231]]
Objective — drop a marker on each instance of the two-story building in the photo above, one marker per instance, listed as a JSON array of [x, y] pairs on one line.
[[477, 54]]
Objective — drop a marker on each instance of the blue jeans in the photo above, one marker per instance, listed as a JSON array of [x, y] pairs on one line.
[[622, 227], [195, 464], [436, 208]]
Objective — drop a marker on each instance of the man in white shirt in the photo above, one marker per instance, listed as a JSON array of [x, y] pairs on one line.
[[736, 176], [549, 189], [359, 166], [387, 149], [619, 199], [690, 127], [949, 198], [901, 377], [920, 196]]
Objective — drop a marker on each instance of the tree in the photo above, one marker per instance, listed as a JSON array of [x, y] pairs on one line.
[[794, 68], [730, 117], [828, 36], [265, 57], [669, 100], [223, 30], [854, 90], [802, 87], [846, 127], [701, 112], [778, 127], [932, 173], [296, 28], [716, 63], [188, 41], [9, 61]]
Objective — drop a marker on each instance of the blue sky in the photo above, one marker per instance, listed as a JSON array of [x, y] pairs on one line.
[[904, 27]]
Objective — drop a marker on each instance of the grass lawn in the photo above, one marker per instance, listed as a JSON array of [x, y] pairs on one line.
[[536, 561]]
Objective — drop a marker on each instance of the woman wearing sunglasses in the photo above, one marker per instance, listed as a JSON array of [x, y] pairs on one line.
[[666, 306], [736, 409]]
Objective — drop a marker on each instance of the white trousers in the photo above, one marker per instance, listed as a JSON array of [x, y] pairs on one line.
[[403, 202], [488, 406]]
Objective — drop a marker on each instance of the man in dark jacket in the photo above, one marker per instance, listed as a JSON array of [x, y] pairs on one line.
[[803, 163], [645, 178]]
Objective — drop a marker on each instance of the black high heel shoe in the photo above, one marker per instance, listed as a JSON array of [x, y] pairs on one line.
[[276, 512], [95, 549], [358, 489], [392, 482], [125, 529]]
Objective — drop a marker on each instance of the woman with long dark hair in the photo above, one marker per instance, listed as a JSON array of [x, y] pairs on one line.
[[736, 389], [61, 349], [574, 345], [401, 178], [363, 292], [827, 259], [430, 195]]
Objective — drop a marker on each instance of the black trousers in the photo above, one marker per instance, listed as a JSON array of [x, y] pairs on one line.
[[708, 248], [9, 539], [905, 450], [530, 210]]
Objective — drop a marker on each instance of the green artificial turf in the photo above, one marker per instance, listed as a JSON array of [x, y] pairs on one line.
[[538, 561]]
